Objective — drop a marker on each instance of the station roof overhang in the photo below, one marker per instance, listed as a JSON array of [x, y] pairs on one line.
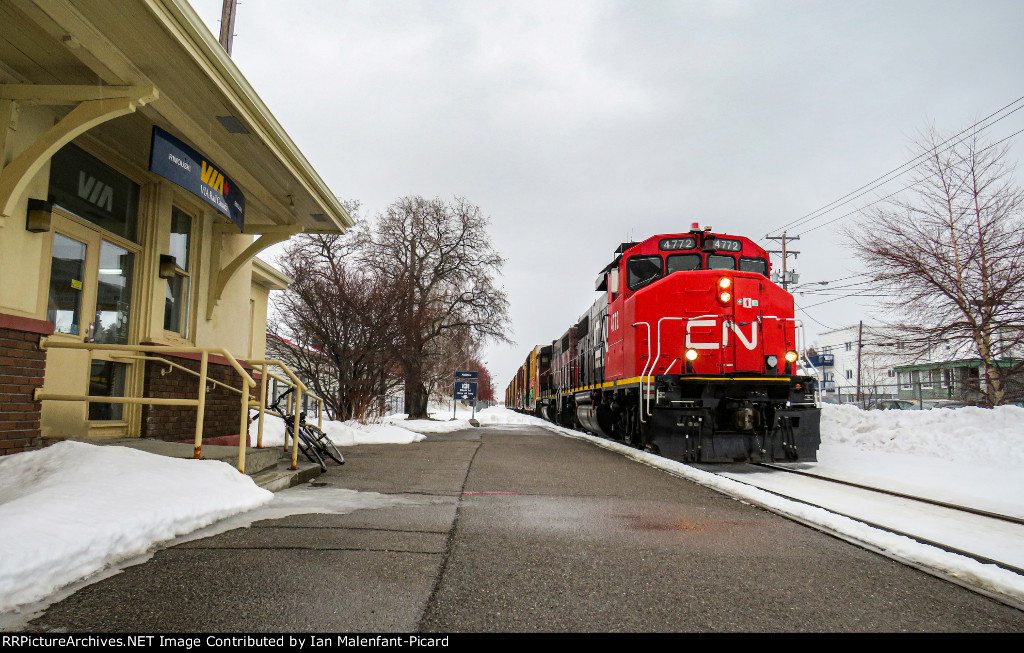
[[182, 81]]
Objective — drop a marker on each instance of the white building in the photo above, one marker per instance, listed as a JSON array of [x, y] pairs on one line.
[[879, 354]]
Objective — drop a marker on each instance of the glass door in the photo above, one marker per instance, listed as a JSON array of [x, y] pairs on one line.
[[89, 300]]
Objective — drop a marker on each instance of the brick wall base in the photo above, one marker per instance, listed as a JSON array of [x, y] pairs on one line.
[[179, 422], [22, 366]]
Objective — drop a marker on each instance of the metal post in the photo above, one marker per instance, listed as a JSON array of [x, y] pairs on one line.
[[243, 427], [295, 414], [201, 408], [263, 405]]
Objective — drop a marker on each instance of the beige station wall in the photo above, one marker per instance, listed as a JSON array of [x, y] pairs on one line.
[[22, 252], [238, 320]]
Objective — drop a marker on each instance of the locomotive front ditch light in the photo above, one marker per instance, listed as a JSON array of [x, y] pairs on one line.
[[791, 356], [724, 283], [691, 355], [725, 297], [773, 361]]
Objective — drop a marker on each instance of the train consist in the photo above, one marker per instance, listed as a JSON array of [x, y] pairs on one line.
[[690, 352]]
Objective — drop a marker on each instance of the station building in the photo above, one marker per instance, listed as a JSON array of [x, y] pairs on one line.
[[141, 174]]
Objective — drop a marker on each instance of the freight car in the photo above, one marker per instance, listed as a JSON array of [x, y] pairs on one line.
[[690, 351]]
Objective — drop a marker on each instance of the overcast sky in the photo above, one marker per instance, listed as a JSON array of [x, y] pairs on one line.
[[576, 125]]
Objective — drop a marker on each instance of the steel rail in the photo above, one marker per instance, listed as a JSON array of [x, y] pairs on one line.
[[888, 529], [935, 502]]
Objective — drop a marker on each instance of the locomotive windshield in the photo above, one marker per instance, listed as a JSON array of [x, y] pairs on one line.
[[758, 265], [643, 270], [721, 262], [682, 263]]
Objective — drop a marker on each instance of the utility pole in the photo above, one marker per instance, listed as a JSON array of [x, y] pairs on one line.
[[860, 347], [227, 24], [785, 253]]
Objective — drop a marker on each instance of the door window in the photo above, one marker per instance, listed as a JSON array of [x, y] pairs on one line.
[[113, 295], [67, 281]]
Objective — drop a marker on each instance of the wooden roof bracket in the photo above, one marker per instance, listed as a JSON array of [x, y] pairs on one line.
[[220, 276], [94, 105]]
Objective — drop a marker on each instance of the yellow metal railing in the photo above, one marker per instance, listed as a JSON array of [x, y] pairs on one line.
[[299, 388]]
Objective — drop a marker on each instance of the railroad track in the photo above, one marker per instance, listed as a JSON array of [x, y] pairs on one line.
[[933, 502], [736, 473]]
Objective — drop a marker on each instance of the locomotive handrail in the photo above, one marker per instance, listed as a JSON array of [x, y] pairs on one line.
[[644, 372]]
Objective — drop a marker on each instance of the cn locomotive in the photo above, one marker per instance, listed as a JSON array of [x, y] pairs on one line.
[[690, 352]]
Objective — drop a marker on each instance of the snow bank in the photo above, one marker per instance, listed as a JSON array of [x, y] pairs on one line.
[[343, 434], [963, 435], [73, 508]]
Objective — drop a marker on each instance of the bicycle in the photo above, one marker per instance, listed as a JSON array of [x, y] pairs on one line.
[[313, 442]]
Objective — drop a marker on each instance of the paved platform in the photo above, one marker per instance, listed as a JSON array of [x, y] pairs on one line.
[[518, 529]]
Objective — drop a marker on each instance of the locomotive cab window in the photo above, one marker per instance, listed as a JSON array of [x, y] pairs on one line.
[[758, 265], [682, 263], [721, 262], [642, 270]]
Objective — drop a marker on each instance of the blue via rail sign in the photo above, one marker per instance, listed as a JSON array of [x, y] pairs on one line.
[[465, 390], [464, 374], [173, 160]]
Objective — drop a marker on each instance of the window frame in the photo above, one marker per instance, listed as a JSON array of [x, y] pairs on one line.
[[660, 275]]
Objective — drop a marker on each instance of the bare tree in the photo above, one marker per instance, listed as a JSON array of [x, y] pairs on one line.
[[949, 254], [335, 324], [441, 257]]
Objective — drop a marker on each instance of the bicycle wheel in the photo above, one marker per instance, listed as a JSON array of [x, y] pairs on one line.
[[324, 444], [309, 449]]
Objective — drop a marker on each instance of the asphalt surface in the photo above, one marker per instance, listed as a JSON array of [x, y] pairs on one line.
[[518, 529]]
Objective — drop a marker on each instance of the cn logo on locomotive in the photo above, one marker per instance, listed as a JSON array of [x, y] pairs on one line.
[[727, 326]]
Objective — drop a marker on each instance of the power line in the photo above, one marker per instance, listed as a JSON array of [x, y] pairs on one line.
[[896, 172], [908, 186]]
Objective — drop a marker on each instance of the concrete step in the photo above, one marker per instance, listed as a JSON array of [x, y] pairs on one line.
[[281, 477]]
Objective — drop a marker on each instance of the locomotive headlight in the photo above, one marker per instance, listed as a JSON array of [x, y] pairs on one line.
[[791, 356], [691, 355], [724, 283], [725, 297]]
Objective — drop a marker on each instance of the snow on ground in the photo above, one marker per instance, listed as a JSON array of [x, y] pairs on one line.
[[71, 509], [343, 434]]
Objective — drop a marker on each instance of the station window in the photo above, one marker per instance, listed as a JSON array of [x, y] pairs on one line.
[[176, 301], [849, 374], [82, 184]]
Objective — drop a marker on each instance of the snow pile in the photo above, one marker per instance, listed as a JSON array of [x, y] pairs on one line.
[[73, 508], [343, 434], [495, 415], [962, 435]]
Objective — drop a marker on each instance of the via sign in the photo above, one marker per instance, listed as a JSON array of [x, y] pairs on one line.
[[465, 390], [176, 161]]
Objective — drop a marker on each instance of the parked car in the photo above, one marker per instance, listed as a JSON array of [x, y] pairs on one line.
[[942, 403], [896, 404]]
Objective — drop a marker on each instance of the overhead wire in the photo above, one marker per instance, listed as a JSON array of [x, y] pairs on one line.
[[897, 172]]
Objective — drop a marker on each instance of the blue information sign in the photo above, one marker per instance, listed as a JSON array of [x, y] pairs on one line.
[[176, 161], [465, 390], [464, 374]]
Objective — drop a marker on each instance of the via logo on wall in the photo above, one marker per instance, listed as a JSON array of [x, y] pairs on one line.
[[95, 192]]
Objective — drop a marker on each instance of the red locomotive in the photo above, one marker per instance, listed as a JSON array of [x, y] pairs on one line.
[[690, 352]]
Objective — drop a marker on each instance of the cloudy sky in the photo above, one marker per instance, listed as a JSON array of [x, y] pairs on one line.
[[576, 125]]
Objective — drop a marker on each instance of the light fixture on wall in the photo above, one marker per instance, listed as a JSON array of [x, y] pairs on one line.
[[168, 266], [40, 215]]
